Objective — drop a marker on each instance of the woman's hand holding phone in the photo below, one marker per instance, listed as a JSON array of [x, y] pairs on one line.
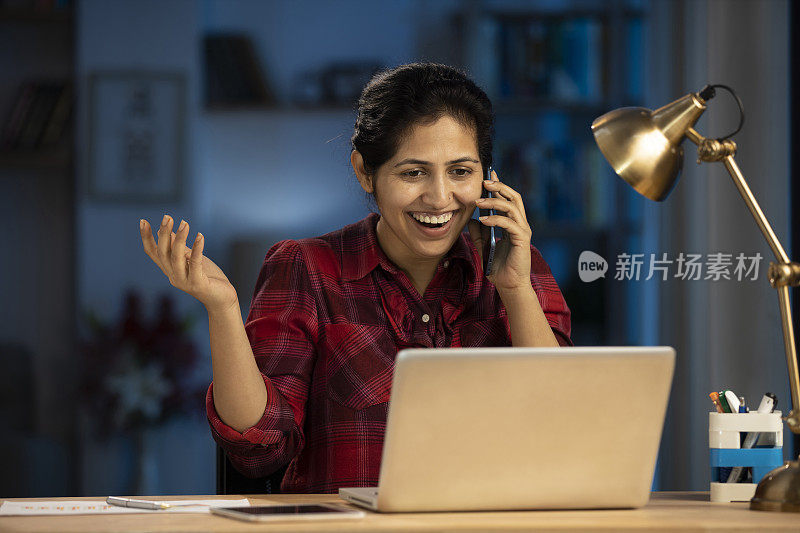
[[512, 258], [187, 268]]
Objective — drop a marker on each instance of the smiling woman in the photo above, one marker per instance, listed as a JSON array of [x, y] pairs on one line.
[[306, 380]]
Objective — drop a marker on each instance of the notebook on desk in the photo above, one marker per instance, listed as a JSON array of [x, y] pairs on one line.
[[521, 428]]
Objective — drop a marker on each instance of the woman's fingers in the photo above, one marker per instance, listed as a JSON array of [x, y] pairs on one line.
[[504, 191], [148, 243], [520, 234], [180, 267], [504, 199], [186, 267], [501, 204], [196, 260], [151, 248], [170, 253], [165, 244]]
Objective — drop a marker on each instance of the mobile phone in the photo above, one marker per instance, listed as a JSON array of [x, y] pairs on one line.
[[283, 513], [491, 235]]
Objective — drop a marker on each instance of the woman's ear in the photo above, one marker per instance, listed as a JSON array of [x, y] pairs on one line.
[[361, 173]]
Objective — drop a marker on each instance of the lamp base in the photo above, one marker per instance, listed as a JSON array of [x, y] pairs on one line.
[[779, 490]]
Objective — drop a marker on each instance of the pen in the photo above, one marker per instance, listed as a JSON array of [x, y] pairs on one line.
[[725, 398], [138, 504], [767, 405], [733, 401], [724, 402], [715, 398]]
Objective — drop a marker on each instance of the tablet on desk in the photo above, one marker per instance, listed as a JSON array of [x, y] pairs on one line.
[[283, 513]]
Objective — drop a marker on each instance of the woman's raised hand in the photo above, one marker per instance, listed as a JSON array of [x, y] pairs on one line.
[[187, 268]]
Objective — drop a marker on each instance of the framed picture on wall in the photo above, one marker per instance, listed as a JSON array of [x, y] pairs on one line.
[[136, 136]]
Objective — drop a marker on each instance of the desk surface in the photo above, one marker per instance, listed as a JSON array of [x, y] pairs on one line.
[[667, 511]]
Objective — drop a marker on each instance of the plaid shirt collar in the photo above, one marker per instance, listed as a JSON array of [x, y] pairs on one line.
[[361, 252]]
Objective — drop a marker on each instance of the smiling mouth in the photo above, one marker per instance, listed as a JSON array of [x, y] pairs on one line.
[[432, 220]]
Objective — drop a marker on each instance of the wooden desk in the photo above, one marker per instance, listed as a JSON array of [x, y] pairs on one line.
[[667, 511]]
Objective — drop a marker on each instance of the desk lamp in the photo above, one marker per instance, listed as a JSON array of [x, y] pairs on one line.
[[644, 149]]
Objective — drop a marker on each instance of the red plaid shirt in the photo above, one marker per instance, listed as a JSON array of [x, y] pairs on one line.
[[328, 317]]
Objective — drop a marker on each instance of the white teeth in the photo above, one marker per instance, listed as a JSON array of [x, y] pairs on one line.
[[441, 219]]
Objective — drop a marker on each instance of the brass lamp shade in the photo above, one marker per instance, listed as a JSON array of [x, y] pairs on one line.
[[643, 146]]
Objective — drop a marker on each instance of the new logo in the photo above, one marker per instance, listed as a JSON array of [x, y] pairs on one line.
[[591, 266]]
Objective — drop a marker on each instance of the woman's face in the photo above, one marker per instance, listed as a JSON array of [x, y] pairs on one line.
[[426, 192]]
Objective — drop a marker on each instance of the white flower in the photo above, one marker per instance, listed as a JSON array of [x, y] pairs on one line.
[[140, 388]]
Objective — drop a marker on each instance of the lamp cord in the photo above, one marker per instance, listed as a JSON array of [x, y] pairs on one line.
[[708, 92]]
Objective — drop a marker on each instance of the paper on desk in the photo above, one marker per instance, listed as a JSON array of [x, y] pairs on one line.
[[63, 507]]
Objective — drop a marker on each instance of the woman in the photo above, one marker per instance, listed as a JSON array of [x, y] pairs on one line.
[[306, 380]]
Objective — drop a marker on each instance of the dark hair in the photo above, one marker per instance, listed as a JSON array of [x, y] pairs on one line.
[[397, 99]]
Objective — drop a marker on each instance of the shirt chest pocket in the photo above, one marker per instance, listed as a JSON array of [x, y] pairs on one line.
[[359, 363]]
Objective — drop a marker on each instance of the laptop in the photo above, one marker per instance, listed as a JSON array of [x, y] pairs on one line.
[[521, 428]]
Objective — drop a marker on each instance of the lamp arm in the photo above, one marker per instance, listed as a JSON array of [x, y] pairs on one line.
[[755, 209], [793, 418], [782, 275], [710, 150]]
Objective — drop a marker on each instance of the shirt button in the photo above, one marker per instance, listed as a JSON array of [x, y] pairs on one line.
[[425, 318], [446, 263]]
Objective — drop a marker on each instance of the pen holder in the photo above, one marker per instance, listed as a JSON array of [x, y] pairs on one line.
[[726, 433]]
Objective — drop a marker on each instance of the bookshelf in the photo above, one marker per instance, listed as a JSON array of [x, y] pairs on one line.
[[550, 73], [234, 80], [38, 204], [36, 99]]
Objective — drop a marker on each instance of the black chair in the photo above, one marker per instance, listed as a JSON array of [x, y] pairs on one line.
[[230, 481]]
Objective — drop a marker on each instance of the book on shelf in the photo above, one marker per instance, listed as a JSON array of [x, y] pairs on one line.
[[561, 182], [59, 119], [16, 117], [232, 72], [38, 117], [549, 58], [599, 186]]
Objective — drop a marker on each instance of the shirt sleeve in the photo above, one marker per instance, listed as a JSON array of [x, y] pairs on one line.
[[282, 329], [550, 298]]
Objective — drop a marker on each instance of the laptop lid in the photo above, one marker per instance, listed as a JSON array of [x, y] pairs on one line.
[[524, 428]]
